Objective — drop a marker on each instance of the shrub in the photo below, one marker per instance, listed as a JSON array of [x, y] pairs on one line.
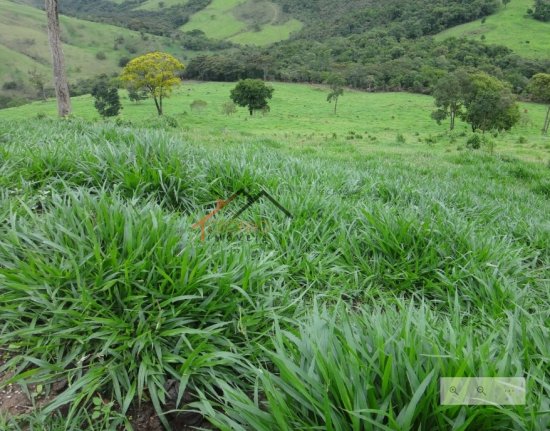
[[400, 138], [198, 105], [474, 141], [229, 108], [101, 56], [10, 85], [123, 61], [107, 100]]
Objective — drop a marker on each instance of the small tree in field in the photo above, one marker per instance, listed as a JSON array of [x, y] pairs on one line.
[[539, 87], [155, 73], [336, 83], [229, 108], [448, 94], [252, 93], [39, 82], [107, 101]]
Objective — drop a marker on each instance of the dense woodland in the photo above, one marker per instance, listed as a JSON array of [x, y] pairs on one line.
[[374, 61], [374, 45]]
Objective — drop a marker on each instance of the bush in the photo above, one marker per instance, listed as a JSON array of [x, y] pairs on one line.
[[474, 142], [229, 108], [10, 85], [123, 61], [107, 100], [400, 138], [198, 105], [101, 56]]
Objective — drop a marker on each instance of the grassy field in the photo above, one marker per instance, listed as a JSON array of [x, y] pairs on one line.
[[24, 44], [397, 268], [510, 27], [156, 4], [220, 20], [302, 120]]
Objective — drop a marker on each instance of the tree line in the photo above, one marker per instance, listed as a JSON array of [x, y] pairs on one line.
[[369, 62]]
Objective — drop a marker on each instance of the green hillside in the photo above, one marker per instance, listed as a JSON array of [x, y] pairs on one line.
[[246, 22], [301, 118], [511, 27], [24, 45]]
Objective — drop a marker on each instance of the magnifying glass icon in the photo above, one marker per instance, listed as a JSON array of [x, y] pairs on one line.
[[452, 389], [481, 390]]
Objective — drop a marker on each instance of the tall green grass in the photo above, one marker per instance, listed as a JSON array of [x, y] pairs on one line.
[[392, 273]]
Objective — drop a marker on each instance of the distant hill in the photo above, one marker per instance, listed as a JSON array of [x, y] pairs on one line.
[[511, 27], [256, 22], [90, 48]]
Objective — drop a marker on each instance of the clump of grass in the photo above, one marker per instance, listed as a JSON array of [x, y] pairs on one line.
[[379, 368], [119, 300], [105, 284]]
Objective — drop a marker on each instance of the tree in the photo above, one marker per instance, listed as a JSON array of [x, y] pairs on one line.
[[336, 83], [58, 59], [156, 73], [505, 3], [252, 93], [542, 10], [39, 82], [539, 87], [107, 100], [448, 94], [489, 103]]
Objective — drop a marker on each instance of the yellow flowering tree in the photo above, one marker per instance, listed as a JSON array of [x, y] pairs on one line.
[[156, 73]]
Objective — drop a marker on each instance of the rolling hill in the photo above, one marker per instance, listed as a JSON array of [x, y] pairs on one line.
[[511, 27], [244, 22], [24, 45]]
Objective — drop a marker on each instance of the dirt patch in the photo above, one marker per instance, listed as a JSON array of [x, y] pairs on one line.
[[14, 402]]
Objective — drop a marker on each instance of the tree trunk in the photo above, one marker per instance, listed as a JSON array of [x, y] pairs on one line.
[[452, 120], [251, 111], [58, 59], [335, 105], [159, 106], [546, 122]]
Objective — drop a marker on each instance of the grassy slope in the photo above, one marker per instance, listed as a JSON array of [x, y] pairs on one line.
[[219, 22], [301, 115], [24, 44], [509, 27], [155, 4], [439, 262]]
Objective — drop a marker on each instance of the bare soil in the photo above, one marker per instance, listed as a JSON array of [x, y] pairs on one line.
[[14, 401]]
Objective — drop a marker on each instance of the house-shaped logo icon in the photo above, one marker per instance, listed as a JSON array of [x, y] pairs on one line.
[[251, 200]]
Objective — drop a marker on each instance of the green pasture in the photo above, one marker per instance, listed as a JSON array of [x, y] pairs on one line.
[[511, 27], [396, 269], [220, 20], [302, 119]]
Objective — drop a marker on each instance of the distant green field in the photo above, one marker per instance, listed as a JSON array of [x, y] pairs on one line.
[[24, 44], [301, 118], [156, 4], [510, 27], [221, 20]]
